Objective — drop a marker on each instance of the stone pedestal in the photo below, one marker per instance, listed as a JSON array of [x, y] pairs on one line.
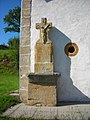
[[42, 89], [43, 57], [43, 82]]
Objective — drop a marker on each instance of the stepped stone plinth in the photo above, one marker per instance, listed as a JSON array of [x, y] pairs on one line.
[[43, 82]]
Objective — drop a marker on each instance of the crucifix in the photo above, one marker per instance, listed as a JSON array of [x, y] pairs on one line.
[[44, 28]]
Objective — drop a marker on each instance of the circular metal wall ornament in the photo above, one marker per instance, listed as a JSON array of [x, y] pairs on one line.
[[71, 49]]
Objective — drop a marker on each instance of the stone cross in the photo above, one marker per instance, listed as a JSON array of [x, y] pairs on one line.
[[44, 28]]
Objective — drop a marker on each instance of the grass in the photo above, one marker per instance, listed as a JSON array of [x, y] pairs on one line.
[[5, 118], [8, 83]]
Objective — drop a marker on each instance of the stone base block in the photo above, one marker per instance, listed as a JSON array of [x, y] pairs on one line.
[[42, 94], [42, 90]]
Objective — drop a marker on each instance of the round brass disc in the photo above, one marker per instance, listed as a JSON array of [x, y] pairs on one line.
[[71, 49]]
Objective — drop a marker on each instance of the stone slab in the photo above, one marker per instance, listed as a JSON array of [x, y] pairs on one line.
[[72, 112], [42, 89], [44, 67], [43, 78], [43, 52]]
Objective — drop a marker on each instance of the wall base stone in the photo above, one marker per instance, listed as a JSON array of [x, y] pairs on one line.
[[42, 90], [24, 57]]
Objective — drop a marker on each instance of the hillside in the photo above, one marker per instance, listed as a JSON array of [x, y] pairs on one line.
[[8, 61]]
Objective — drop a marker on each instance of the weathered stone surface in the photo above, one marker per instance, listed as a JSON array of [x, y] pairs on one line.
[[23, 94], [26, 12], [25, 50], [42, 89], [25, 31], [25, 60], [24, 83], [25, 40], [67, 112], [43, 94], [26, 21], [24, 70], [44, 67], [43, 102], [26, 4], [43, 57], [43, 52], [23, 77]]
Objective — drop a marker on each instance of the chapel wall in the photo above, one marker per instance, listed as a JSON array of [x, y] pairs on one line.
[[71, 23]]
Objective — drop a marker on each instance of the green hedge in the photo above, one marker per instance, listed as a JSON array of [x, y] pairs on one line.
[[9, 61]]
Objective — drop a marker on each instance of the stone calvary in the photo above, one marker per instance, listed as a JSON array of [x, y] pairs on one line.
[[54, 52]]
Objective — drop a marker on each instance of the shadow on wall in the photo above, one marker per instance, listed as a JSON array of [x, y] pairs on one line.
[[48, 0], [67, 92]]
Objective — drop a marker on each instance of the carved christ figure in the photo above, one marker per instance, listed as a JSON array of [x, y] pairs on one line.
[[44, 28]]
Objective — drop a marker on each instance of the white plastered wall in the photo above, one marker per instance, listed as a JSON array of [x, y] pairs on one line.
[[71, 23]]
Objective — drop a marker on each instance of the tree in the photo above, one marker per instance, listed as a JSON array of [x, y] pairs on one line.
[[13, 43], [13, 20]]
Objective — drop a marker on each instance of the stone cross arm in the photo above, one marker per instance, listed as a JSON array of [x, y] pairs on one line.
[[43, 25], [44, 28]]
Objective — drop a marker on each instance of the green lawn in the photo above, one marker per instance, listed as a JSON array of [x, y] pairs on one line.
[[5, 118], [8, 83]]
